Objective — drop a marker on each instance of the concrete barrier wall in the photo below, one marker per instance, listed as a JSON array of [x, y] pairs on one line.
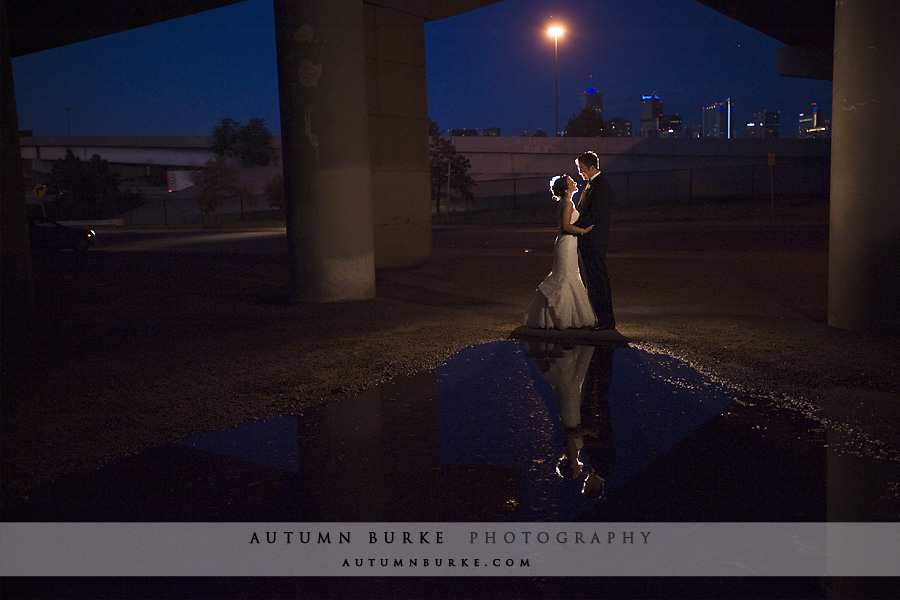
[[515, 171], [522, 156]]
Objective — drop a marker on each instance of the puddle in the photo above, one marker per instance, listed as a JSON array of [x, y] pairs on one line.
[[483, 436], [507, 431]]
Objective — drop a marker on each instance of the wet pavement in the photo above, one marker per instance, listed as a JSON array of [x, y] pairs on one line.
[[516, 430], [476, 438]]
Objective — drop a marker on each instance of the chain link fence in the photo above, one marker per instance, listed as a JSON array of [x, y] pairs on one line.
[[788, 181]]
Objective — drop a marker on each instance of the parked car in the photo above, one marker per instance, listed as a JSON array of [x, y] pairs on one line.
[[50, 236]]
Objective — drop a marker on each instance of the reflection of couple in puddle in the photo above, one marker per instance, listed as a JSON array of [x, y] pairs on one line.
[[580, 376]]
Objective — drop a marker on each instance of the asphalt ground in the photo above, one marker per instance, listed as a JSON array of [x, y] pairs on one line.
[[132, 349]]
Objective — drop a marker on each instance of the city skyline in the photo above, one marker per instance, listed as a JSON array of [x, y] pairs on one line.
[[747, 117], [489, 68], [688, 54]]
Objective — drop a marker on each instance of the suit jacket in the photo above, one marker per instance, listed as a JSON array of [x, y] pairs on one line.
[[595, 208]]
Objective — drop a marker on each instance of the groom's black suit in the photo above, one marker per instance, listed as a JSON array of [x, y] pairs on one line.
[[595, 208]]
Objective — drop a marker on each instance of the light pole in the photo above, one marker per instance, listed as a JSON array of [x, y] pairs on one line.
[[556, 31]]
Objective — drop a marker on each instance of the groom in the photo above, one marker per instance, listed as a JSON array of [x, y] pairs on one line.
[[594, 207]]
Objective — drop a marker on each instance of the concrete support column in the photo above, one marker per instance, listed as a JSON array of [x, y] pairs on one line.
[[15, 255], [864, 256], [398, 126], [325, 145]]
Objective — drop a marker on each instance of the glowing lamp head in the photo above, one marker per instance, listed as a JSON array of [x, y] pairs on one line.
[[555, 31]]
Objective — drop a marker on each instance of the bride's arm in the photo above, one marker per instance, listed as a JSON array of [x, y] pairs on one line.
[[566, 217]]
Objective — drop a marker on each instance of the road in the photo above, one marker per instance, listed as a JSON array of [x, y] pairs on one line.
[[264, 241], [651, 237]]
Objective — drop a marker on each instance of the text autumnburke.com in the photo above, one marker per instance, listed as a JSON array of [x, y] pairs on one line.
[[437, 537]]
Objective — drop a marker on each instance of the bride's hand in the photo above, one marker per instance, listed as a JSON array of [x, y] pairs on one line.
[[588, 228]]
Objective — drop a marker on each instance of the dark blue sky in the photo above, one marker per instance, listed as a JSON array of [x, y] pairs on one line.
[[487, 68]]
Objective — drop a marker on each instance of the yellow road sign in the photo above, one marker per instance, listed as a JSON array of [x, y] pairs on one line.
[[39, 190]]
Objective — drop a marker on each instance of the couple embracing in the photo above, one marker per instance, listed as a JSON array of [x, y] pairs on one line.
[[573, 297]]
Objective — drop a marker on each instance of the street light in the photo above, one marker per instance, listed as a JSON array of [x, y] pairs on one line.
[[556, 31]]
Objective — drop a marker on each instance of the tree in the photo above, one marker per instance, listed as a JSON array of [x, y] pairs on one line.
[[275, 192], [217, 179], [444, 159], [99, 180], [588, 123], [87, 190], [247, 145], [67, 174], [225, 139], [255, 144]]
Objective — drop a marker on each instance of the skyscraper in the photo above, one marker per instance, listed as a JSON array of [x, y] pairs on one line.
[[806, 122], [770, 122], [811, 125], [763, 126], [592, 100], [618, 127], [754, 128], [717, 120], [651, 108], [669, 126]]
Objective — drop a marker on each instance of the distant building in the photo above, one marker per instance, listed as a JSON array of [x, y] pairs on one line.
[[618, 127], [592, 100], [810, 125], [669, 126], [693, 132], [463, 133], [490, 132], [754, 130], [763, 126], [807, 122], [535, 133], [718, 120], [770, 122], [651, 108]]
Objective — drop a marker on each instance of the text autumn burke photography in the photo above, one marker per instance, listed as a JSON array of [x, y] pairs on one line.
[[425, 538]]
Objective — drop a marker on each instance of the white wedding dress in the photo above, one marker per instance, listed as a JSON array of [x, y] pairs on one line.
[[561, 302]]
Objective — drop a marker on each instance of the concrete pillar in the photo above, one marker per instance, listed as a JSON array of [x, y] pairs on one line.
[[864, 256], [398, 125], [325, 144], [15, 256]]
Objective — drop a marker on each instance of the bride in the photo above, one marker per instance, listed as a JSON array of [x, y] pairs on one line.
[[560, 301]]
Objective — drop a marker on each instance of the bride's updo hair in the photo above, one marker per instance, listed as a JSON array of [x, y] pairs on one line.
[[559, 185]]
